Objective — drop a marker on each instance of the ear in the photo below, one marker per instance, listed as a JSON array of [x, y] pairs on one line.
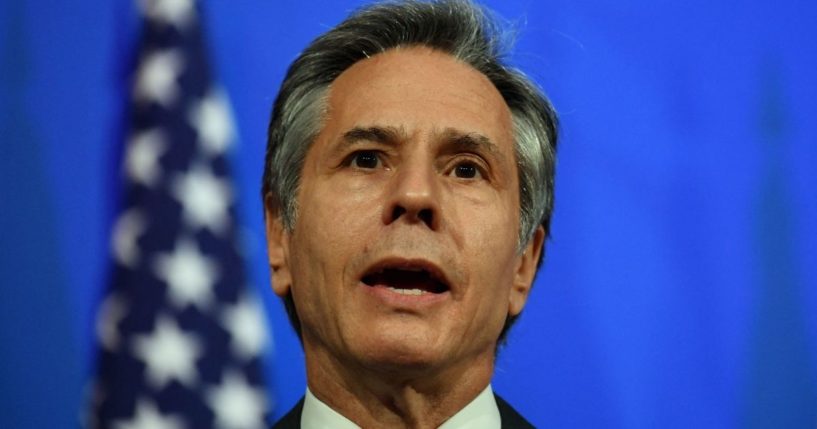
[[525, 272], [277, 249]]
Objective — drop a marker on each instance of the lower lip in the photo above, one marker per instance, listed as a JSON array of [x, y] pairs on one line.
[[396, 299]]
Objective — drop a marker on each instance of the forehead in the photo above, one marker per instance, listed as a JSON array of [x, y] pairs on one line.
[[418, 89]]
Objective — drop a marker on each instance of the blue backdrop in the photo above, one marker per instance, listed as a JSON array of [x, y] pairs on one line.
[[680, 287]]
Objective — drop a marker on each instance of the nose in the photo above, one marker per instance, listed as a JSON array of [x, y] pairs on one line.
[[414, 196]]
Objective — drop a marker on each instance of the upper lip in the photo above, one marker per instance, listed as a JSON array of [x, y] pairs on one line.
[[409, 264]]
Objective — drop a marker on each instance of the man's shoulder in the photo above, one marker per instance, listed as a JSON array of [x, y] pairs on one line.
[[292, 419], [511, 419]]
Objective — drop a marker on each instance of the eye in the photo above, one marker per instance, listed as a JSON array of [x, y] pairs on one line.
[[467, 170], [365, 159]]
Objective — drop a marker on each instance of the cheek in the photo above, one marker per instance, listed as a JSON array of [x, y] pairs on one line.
[[494, 228], [316, 277], [333, 225], [492, 249]]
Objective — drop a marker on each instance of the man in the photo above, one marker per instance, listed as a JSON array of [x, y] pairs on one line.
[[408, 188]]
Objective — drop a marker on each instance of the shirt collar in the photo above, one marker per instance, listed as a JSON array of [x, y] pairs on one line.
[[317, 415], [481, 413]]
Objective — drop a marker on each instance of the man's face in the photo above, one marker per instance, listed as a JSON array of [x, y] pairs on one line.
[[403, 254]]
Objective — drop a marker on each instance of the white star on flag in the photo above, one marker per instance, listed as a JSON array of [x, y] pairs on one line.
[[142, 159], [111, 312], [157, 75], [246, 325], [188, 273], [237, 404], [178, 327], [211, 118], [204, 197], [147, 416], [126, 231], [168, 353], [178, 13]]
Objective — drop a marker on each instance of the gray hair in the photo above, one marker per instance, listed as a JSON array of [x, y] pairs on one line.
[[456, 27]]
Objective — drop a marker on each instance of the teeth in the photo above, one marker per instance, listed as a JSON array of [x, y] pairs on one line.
[[415, 292]]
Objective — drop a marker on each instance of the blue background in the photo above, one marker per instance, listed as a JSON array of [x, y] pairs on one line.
[[680, 287]]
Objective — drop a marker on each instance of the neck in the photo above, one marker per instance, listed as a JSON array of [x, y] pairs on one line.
[[393, 397]]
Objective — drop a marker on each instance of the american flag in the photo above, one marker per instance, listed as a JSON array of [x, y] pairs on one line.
[[180, 332]]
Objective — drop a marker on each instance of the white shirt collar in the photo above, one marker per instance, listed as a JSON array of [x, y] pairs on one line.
[[317, 415], [481, 413]]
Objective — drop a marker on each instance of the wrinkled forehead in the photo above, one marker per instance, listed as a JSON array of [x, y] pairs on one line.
[[417, 88]]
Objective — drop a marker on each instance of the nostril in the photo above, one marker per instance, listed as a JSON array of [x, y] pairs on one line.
[[424, 215], [397, 212], [427, 217]]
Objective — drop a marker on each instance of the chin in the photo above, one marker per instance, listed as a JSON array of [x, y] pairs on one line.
[[400, 355]]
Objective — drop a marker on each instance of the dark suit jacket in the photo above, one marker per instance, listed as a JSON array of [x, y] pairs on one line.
[[510, 418]]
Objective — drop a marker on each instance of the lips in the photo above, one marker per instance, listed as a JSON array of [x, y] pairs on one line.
[[407, 277]]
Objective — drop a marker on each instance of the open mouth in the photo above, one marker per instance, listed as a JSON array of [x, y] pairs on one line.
[[406, 279]]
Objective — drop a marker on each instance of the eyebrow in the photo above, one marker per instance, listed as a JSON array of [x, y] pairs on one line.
[[391, 136], [451, 139], [459, 141]]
